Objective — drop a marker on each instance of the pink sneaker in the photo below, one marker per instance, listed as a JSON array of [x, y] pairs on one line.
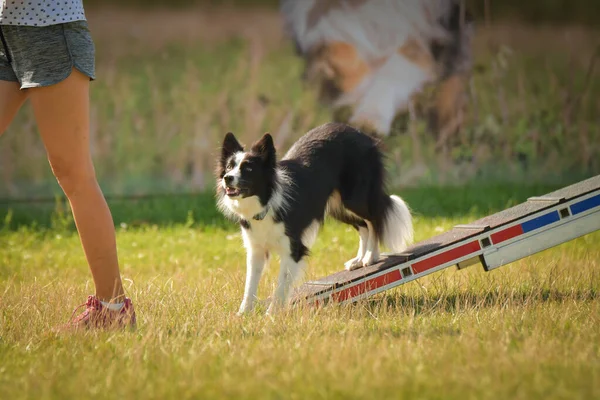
[[97, 316]]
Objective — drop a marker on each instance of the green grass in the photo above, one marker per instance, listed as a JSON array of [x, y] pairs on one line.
[[169, 87], [525, 331], [199, 210]]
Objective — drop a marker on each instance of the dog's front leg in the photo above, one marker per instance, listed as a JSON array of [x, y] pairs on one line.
[[255, 263], [289, 272]]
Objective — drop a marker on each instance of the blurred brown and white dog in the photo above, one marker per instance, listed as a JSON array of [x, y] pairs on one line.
[[374, 55]]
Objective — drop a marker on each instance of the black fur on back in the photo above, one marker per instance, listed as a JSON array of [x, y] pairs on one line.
[[335, 158]]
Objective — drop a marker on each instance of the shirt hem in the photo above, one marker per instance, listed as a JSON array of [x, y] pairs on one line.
[[38, 25]]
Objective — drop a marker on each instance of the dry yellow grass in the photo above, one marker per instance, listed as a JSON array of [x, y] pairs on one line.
[[525, 331], [170, 84]]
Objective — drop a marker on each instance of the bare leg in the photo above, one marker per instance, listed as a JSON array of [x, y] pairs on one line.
[[62, 115]]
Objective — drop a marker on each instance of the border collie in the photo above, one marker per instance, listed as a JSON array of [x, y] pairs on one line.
[[332, 170], [374, 55]]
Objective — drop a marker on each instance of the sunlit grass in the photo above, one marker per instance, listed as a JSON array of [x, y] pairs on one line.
[[169, 86], [527, 330]]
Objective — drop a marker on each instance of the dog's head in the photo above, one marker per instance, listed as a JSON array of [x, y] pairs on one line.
[[241, 173]]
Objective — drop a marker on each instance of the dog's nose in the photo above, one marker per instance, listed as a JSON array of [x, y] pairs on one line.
[[228, 179]]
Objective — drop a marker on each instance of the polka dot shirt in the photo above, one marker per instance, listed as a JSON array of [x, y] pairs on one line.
[[40, 12]]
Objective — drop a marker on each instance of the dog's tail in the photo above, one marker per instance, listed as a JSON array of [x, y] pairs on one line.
[[397, 232]]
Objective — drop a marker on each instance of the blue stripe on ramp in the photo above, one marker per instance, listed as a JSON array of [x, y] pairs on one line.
[[585, 205], [538, 222]]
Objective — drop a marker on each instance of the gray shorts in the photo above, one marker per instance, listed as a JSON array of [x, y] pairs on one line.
[[41, 56]]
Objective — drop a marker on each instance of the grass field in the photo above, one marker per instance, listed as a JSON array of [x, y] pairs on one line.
[[526, 331], [169, 87]]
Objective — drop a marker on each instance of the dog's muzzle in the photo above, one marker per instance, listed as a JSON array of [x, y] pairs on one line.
[[230, 186]]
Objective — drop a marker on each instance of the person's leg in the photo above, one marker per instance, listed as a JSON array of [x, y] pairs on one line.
[[11, 99], [62, 115]]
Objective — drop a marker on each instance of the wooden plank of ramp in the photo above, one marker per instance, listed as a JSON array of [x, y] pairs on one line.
[[495, 240]]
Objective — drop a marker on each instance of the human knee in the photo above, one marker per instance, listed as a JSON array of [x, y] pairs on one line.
[[72, 177]]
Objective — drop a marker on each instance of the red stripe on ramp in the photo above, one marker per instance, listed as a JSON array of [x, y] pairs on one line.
[[445, 257], [367, 286], [507, 233]]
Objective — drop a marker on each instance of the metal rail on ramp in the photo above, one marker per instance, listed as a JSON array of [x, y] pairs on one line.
[[496, 240]]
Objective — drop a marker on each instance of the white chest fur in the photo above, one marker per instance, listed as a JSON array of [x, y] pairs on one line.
[[266, 234], [246, 207]]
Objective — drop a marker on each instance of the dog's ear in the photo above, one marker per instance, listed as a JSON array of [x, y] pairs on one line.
[[265, 149], [230, 146]]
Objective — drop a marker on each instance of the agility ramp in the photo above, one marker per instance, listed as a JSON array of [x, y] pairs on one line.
[[496, 240]]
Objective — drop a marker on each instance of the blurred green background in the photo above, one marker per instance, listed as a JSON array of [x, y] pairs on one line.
[[536, 11], [174, 76]]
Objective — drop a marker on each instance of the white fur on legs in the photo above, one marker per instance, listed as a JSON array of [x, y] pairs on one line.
[[255, 263], [356, 262], [289, 272], [372, 252]]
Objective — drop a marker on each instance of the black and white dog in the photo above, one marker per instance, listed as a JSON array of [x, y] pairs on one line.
[[333, 170]]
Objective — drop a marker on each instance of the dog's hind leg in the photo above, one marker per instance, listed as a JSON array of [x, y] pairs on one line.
[[356, 262], [372, 250], [356, 212], [255, 263]]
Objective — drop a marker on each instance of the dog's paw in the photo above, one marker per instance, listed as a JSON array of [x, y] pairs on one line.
[[353, 264], [244, 309], [370, 258]]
